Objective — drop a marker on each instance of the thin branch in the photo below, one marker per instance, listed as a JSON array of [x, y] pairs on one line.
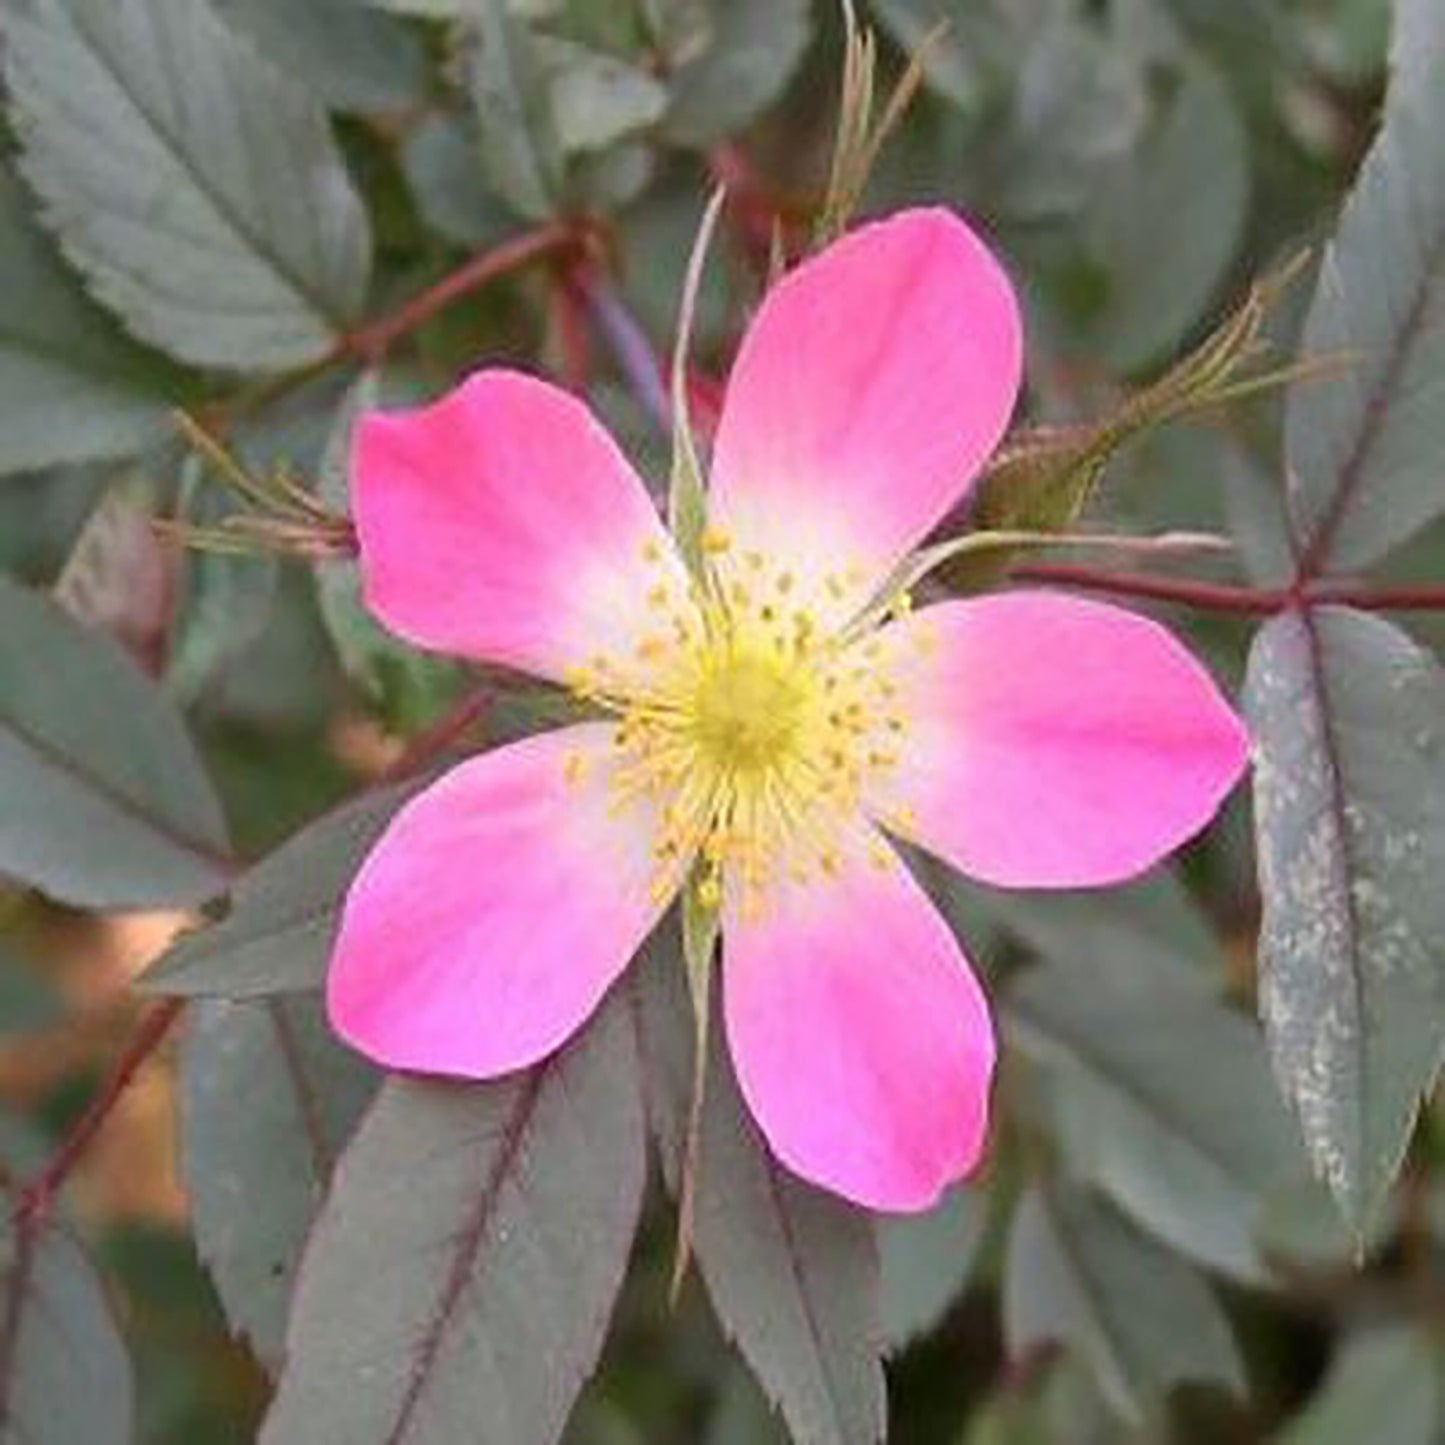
[[35, 1199], [372, 342], [1371, 598], [430, 743], [1206, 596], [1246, 601]]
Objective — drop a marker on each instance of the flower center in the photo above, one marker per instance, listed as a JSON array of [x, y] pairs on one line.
[[752, 734], [747, 707]]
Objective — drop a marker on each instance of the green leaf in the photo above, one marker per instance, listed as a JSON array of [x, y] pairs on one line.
[[103, 800], [1363, 449], [352, 57], [1076, 1273], [1350, 825], [1165, 224], [443, 163], [754, 49], [224, 601], [64, 1376], [520, 150], [596, 99], [926, 1260], [1384, 1387], [198, 188], [28, 1000], [458, 1283], [277, 936], [72, 387], [1057, 1406], [1147, 925], [742, 1415], [1165, 1101], [950, 64], [268, 1098], [792, 1272], [1077, 107]]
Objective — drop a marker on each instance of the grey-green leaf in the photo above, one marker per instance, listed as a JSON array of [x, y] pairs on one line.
[[754, 48], [1347, 715], [355, 58], [459, 1281], [1076, 1273], [276, 938], [198, 187], [443, 163], [72, 386], [520, 150], [1165, 1102], [224, 601], [28, 1000], [1363, 449], [792, 1272], [257, 1171], [926, 1260], [1166, 222], [596, 99], [65, 1376], [1384, 1387], [103, 799]]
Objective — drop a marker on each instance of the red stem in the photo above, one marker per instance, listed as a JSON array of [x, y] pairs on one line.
[[371, 343], [1377, 599], [421, 749], [1243, 601], [35, 1198], [1210, 596]]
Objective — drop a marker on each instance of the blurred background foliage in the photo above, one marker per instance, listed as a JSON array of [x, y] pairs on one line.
[[1145, 1258]]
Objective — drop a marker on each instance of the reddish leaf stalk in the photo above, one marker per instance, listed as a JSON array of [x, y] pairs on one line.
[[429, 743], [372, 342], [35, 1199], [1244, 601]]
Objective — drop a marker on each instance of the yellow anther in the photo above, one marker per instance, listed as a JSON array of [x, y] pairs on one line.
[[651, 552], [901, 606], [657, 596], [785, 582], [755, 560], [715, 539], [709, 892]]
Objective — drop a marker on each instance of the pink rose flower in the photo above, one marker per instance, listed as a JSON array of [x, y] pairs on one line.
[[749, 726]]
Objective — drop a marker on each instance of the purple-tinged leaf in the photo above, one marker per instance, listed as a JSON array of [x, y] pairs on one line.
[[459, 1281], [792, 1272]]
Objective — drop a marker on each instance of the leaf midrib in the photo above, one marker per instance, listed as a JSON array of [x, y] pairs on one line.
[[1312, 552], [469, 1244], [132, 809]]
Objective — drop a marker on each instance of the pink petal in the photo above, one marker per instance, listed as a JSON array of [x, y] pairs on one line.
[[861, 1039], [496, 911], [502, 522], [868, 392], [1053, 742]]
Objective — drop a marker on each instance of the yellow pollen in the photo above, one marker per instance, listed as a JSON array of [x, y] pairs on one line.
[[746, 708]]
